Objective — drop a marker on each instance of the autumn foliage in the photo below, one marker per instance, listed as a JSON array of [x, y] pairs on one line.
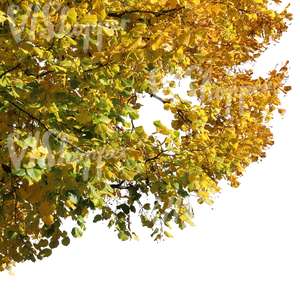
[[72, 75]]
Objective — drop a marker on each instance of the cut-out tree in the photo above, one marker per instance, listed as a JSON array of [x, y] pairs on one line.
[[72, 75]]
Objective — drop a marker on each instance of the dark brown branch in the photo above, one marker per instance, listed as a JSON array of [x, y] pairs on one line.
[[120, 186], [159, 98], [155, 157], [117, 185], [10, 70], [137, 11]]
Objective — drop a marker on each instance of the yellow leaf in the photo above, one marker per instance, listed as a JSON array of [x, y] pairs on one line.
[[90, 20], [108, 31], [72, 15], [46, 208], [157, 44], [48, 220]]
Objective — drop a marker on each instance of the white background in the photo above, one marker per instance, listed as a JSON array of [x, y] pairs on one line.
[[246, 247]]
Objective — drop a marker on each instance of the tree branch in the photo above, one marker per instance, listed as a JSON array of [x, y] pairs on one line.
[[155, 13], [10, 70], [156, 156], [120, 186], [159, 98], [43, 125]]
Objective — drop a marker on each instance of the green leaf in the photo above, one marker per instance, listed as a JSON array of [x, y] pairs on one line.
[[45, 252], [77, 232], [34, 174], [123, 236], [66, 241]]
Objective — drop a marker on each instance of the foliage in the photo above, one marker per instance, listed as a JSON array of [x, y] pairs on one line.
[[69, 144]]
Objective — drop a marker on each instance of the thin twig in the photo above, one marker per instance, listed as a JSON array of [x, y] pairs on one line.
[[10, 70], [44, 126], [138, 11], [159, 98]]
